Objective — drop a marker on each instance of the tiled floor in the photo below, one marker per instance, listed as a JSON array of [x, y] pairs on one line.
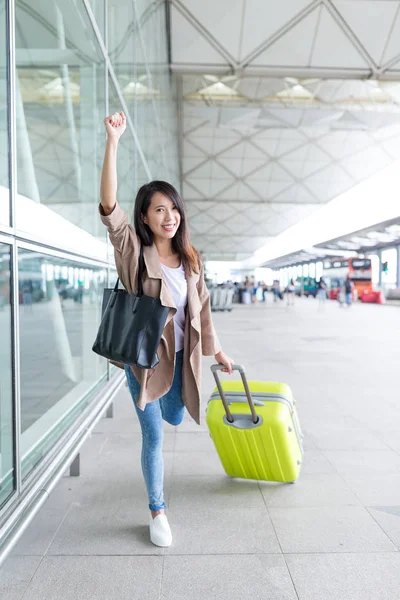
[[335, 535]]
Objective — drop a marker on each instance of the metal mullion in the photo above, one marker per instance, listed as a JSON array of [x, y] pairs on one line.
[[106, 111], [106, 90], [12, 140], [59, 253], [5, 239], [16, 372]]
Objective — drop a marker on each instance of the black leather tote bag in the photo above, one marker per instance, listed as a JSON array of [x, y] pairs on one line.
[[131, 325]]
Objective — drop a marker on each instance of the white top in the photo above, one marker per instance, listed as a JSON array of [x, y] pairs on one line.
[[177, 285]]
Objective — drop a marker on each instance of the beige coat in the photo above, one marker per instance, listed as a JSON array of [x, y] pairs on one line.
[[200, 337]]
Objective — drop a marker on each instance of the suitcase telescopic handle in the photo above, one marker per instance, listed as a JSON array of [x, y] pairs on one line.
[[240, 368]]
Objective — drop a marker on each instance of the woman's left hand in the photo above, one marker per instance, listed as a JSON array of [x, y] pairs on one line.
[[223, 359]]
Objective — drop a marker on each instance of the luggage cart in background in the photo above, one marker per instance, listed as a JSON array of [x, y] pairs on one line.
[[221, 298]]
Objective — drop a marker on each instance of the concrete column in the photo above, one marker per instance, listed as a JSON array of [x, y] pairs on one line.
[[379, 255]]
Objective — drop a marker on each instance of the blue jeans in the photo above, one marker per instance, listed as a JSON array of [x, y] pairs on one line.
[[169, 407]]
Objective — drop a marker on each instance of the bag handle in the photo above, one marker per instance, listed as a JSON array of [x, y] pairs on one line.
[[240, 368], [140, 274]]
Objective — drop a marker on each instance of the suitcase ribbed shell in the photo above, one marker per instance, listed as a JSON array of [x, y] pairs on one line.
[[270, 450]]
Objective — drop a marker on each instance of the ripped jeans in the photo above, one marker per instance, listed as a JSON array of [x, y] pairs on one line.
[[169, 407]]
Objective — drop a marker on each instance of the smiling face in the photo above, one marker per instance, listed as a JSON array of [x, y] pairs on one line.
[[162, 217]]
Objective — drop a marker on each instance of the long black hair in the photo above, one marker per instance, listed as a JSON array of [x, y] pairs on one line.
[[181, 243]]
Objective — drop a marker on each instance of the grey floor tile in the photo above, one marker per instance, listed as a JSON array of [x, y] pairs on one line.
[[316, 489], [96, 577], [388, 518], [364, 462], [375, 489], [220, 531], [193, 442], [106, 519], [214, 492], [121, 456], [346, 576], [197, 463], [329, 529], [41, 531], [15, 575], [221, 578], [188, 425], [335, 437], [315, 462]]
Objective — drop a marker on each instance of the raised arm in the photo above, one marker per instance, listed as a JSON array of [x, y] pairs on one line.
[[113, 216], [115, 126]]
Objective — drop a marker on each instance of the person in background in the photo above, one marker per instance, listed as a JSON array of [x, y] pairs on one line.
[[253, 290], [321, 292], [276, 290], [264, 291], [348, 291], [290, 293]]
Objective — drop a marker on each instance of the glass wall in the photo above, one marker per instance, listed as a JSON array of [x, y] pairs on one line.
[[60, 98], [59, 306], [6, 400], [4, 165], [55, 248]]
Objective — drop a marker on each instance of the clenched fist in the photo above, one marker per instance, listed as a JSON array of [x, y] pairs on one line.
[[115, 125]]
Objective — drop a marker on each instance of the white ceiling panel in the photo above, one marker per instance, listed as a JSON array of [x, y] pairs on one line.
[[201, 144], [392, 47], [193, 151], [238, 191], [392, 147], [257, 29], [204, 171], [223, 144], [189, 45], [376, 16], [217, 185], [332, 47], [189, 163], [220, 172], [223, 19], [294, 48]]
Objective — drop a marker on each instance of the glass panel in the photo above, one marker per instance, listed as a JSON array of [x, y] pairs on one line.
[[127, 159], [138, 51], [6, 403], [122, 39], [60, 132], [4, 182], [98, 11], [60, 305]]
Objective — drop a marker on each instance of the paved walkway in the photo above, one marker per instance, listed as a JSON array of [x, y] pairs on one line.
[[335, 535]]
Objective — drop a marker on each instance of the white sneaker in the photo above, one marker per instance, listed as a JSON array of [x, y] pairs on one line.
[[160, 531]]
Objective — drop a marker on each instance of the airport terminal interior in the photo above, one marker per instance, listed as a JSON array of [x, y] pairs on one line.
[[279, 125]]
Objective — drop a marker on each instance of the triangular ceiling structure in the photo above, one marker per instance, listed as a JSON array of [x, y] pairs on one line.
[[285, 105]]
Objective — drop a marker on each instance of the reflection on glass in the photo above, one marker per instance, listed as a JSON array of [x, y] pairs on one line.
[[60, 304], [138, 51], [4, 183], [127, 159], [97, 7], [6, 410], [60, 111]]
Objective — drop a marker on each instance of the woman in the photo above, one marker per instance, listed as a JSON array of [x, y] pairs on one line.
[[291, 289], [175, 274]]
